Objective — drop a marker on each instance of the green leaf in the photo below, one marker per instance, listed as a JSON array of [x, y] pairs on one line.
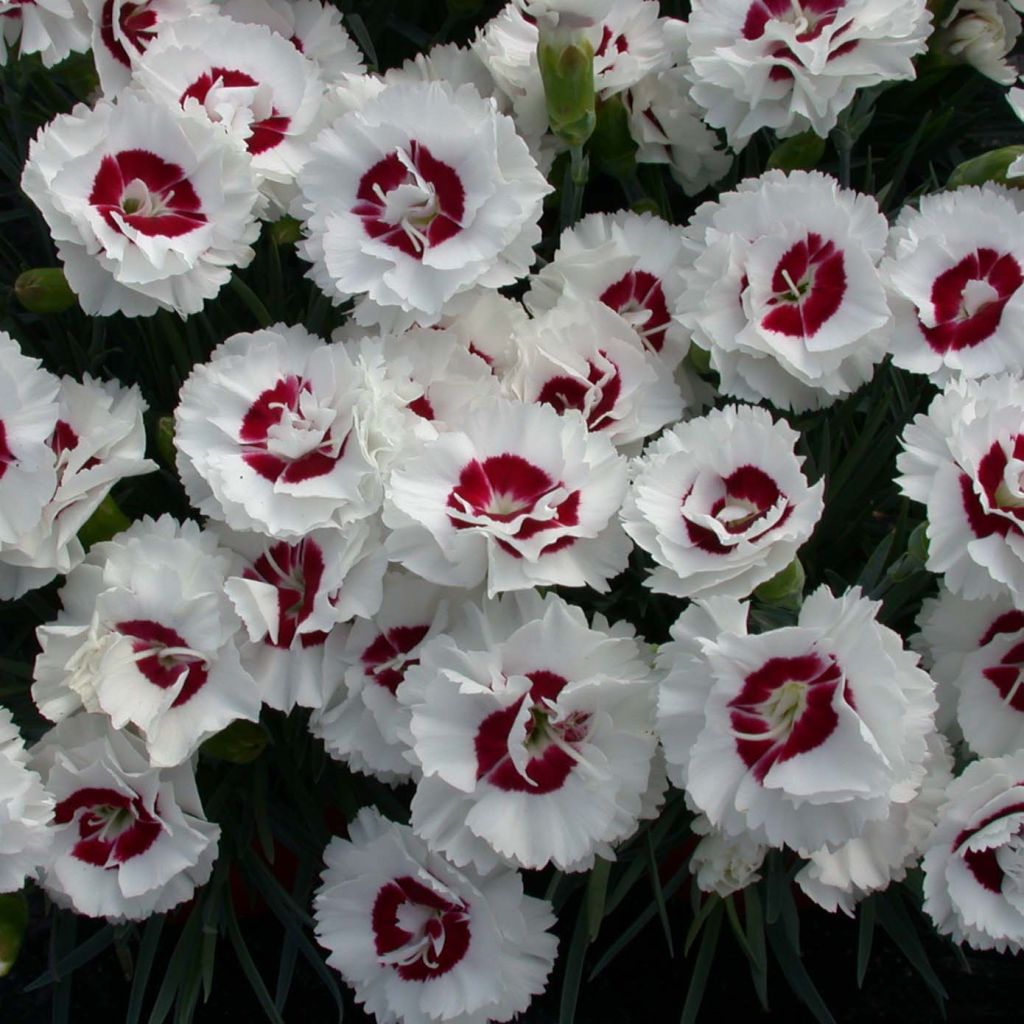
[[872, 571], [897, 923], [865, 938], [795, 974], [249, 967], [573, 970], [78, 957], [702, 966], [597, 891], [143, 966], [178, 968], [659, 896], [707, 908], [251, 301], [756, 943], [801, 152]]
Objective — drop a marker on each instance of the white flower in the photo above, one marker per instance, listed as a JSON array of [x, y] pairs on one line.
[[28, 416], [884, 850], [98, 439], [725, 864], [721, 503], [361, 721], [313, 27], [148, 636], [980, 33], [666, 125], [955, 276], [251, 82], [421, 193], [519, 495], [123, 29], [794, 65], [487, 323], [51, 28], [272, 436], [290, 595], [130, 839], [567, 13], [581, 356], [784, 291], [422, 942], [963, 460], [974, 864], [800, 735], [149, 208], [26, 810], [449, 63], [628, 261], [534, 733]]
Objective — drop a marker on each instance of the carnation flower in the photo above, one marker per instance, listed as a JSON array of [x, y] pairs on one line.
[[421, 193], [290, 595], [98, 439], [885, 850], [422, 942], [28, 416], [980, 33], [147, 635], [487, 323], [955, 276], [518, 495], [26, 810], [52, 28], [567, 13], [581, 356], [666, 125], [130, 839], [794, 65], [313, 27], [251, 82], [721, 503], [534, 733], [361, 721], [962, 459], [628, 261], [784, 292], [272, 436], [973, 882], [456, 65], [150, 209], [798, 736], [122, 30], [725, 864]]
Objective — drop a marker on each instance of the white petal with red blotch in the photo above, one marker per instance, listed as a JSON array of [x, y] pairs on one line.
[[886, 849], [581, 356], [794, 65], [440, 158], [148, 637], [990, 709], [423, 942], [519, 495], [130, 839], [122, 31], [273, 435], [26, 810], [973, 888], [28, 400], [783, 290], [959, 460], [955, 275], [149, 209], [535, 742], [721, 503], [99, 439], [52, 28], [313, 27]]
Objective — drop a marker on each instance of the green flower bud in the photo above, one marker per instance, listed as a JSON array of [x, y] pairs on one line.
[[107, 521], [568, 76], [800, 153], [917, 545], [13, 922], [285, 231], [699, 358], [44, 290], [240, 743], [990, 166], [611, 146], [785, 588]]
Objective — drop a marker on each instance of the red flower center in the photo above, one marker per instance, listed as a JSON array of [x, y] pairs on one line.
[[6, 455], [1000, 508], [1006, 677], [809, 284], [137, 24], [265, 132], [595, 397], [549, 742], [150, 194], [113, 827], [784, 709], [968, 300], [507, 489], [387, 658], [984, 864], [810, 19], [417, 932], [411, 200], [296, 571], [287, 436], [640, 300], [163, 656]]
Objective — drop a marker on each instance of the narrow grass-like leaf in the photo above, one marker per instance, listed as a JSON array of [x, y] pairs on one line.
[[659, 896], [796, 976], [573, 969], [249, 968], [177, 968], [756, 943], [897, 923], [597, 891], [702, 966], [865, 938], [78, 957], [143, 966], [707, 908], [251, 301]]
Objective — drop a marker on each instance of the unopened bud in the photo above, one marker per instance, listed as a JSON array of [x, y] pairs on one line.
[[285, 231], [785, 588], [996, 166], [13, 922], [106, 522], [568, 76], [800, 153], [44, 290]]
